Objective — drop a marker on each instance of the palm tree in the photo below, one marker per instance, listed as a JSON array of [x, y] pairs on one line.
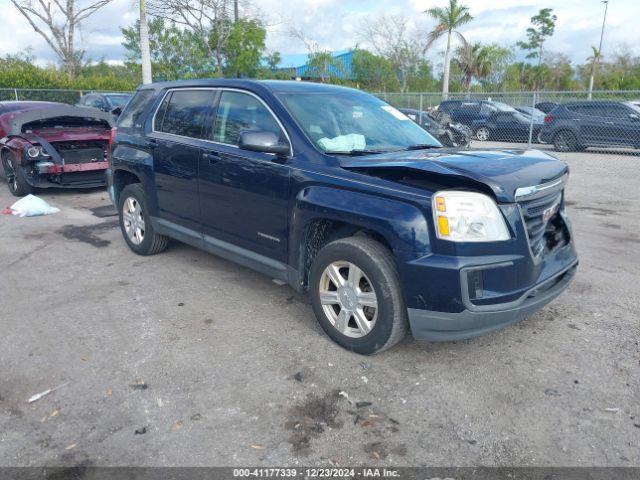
[[449, 19], [474, 62], [593, 59], [144, 45]]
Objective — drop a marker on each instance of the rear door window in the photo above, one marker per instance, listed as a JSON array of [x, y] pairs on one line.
[[185, 113], [239, 112]]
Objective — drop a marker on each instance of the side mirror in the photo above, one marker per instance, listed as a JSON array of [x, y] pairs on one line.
[[262, 141], [117, 111]]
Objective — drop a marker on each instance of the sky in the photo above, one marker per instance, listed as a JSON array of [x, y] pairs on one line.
[[336, 25]]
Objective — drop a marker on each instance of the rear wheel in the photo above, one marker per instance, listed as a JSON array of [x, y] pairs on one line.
[[565, 141], [483, 134], [356, 295], [135, 222], [16, 180]]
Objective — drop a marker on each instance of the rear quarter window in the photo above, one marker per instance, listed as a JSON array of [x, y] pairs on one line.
[[133, 115]]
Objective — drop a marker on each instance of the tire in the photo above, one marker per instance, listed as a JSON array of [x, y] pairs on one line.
[[14, 175], [565, 141], [379, 284], [135, 222], [483, 134]]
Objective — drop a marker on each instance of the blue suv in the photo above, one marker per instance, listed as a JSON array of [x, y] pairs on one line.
[[342, 196]]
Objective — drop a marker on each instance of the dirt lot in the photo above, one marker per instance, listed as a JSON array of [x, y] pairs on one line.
[[187, 359]]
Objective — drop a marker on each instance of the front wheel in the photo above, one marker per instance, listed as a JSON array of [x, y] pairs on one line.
[[356, 295], [135, 222], [16, 180], [483, 134]]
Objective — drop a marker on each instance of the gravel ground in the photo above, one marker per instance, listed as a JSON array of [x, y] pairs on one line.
[[187, 359]]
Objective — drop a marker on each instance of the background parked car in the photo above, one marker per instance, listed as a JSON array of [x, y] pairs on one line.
[[469, 111], [507, 125], [439, 126], [106, 102], [546, 107], [47, 144], [578, 125]]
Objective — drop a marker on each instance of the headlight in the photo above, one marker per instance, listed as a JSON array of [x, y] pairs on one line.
[[468, 217], [37, 151]]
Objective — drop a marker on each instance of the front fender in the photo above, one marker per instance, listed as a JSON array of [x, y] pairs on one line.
[[402, 225]]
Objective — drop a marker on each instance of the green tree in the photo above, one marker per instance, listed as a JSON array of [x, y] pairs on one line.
[[373, 72], [474, 62], [175, 52], [273, 59], [449, 19], [244, 49], [543, 27]]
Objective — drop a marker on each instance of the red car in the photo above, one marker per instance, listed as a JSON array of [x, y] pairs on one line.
[[46, 144]]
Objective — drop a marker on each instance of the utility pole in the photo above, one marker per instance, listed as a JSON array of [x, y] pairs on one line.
[[597, 59], [145, 52], [235, 11]]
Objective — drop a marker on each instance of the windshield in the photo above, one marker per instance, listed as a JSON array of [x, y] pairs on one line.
[[503, 107], [118, 100], [354, 121]]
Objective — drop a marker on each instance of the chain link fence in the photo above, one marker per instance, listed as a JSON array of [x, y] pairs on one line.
[[568, 120], [44, 95]]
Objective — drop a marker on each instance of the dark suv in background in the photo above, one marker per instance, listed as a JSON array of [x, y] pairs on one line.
[[342, 196], [578, 125]]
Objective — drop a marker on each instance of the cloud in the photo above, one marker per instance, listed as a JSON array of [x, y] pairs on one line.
[[336, 25]]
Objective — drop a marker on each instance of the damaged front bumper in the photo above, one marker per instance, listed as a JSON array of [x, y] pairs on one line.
[[477, 320], [45, 174]]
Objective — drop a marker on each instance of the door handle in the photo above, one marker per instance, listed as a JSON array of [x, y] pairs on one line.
[[152, 143], [211, 158]]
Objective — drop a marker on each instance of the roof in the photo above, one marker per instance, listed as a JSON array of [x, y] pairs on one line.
[[274, 86]]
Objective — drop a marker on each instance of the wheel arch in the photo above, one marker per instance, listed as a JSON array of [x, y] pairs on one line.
[[324, 214]]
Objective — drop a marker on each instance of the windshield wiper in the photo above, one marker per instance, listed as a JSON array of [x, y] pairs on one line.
[[421, 146], [355, 153]]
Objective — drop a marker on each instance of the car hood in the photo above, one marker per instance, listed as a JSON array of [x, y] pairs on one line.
[[503, 171]]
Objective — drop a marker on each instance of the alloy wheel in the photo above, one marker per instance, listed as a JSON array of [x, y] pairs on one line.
[[133, 220], [10, 173], [482, 134], [348, 299]]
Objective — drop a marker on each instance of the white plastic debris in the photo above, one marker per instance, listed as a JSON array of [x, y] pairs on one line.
[[38, 396], [32, 206]]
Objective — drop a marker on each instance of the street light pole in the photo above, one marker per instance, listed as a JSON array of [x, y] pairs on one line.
[[597, 59]]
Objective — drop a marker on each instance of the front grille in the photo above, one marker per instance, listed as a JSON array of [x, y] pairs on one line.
[[81, 152], [541, 218], [83, 155]]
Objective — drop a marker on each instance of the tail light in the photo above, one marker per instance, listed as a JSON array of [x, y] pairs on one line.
[[549, 118]]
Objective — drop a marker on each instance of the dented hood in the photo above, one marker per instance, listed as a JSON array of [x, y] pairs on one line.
[[503, 171]]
